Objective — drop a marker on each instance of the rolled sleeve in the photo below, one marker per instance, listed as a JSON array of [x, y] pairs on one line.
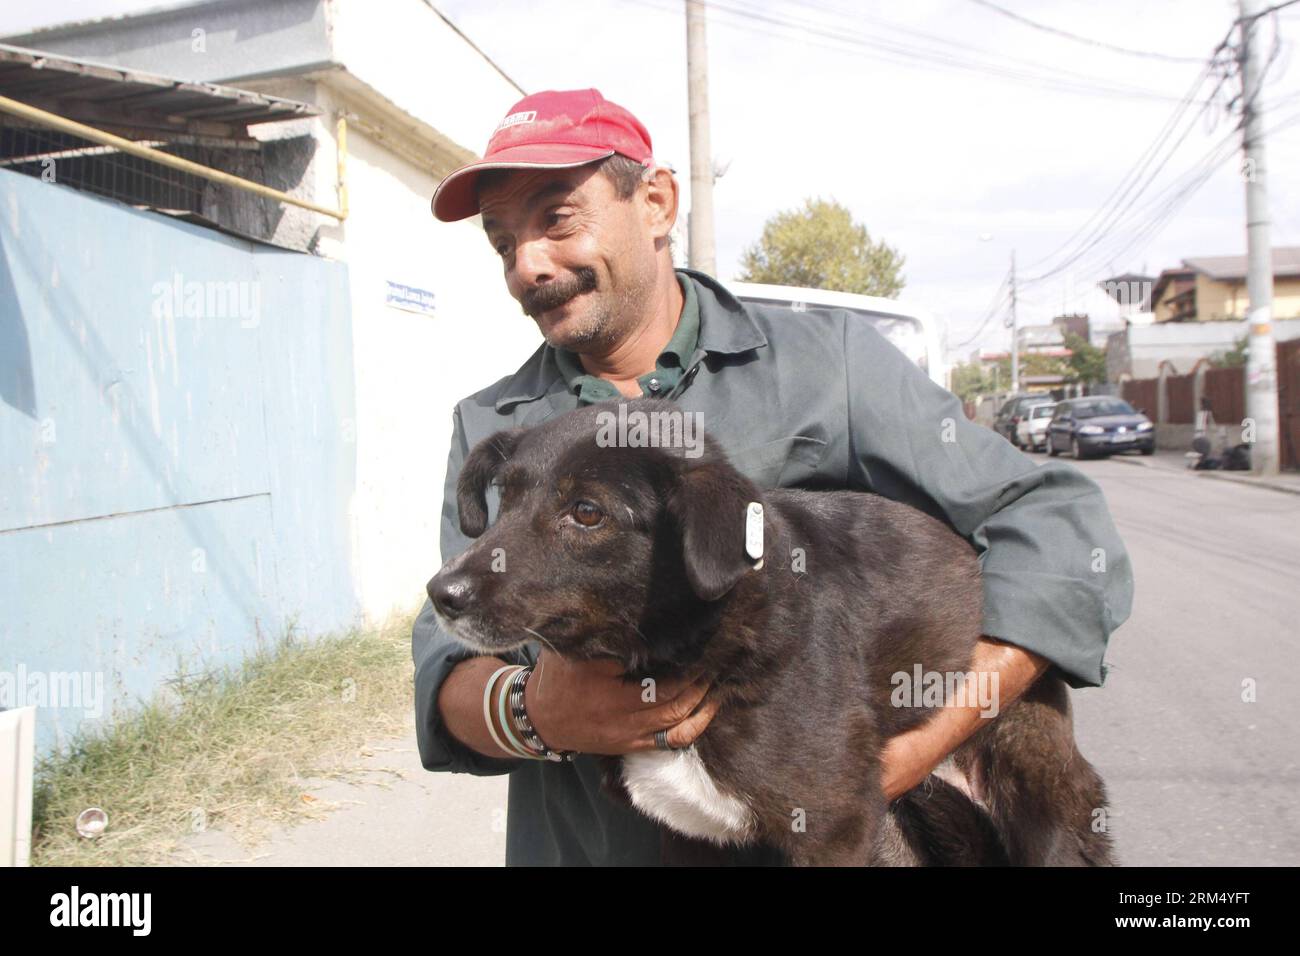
[[1057, 578], [436, 653]]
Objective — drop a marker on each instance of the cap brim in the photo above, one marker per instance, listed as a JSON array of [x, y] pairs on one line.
[[456, 196]]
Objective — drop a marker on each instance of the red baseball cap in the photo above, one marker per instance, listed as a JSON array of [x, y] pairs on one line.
[[554, 129]]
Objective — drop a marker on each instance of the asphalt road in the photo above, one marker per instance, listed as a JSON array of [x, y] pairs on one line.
[[1197, 775]]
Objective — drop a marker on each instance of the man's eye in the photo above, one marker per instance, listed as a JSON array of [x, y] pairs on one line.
[[587, 514]]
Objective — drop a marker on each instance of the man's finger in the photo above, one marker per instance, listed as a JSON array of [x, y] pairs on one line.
[[684, 734], [671, 688], [671, 711]]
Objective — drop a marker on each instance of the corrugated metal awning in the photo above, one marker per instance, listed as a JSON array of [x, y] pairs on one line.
[[136, 104]]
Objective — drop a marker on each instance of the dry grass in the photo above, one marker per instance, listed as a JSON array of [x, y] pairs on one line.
[[233, 751]]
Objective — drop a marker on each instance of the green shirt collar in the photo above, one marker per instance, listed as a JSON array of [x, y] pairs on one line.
[[669, 367]]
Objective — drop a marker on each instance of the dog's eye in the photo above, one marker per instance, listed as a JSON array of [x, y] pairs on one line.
[[587, 514]]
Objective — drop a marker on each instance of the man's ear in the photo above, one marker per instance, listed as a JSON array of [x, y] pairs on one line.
[[661, 201], [708, 506], [482, 465]]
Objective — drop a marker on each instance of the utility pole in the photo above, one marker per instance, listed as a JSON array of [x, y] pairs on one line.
[[1261, 356], [1015, 331], [700, 222]]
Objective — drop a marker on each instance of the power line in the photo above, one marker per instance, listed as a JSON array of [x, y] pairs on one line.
[[1162, 207], [1266, 11], [491, 62], [1100, 218], [856, 16], [911, 55], [1001, 297], [1150, 218], [1114, 210], [1080, 39]]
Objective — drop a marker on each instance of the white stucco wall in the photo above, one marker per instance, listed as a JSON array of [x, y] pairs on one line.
[[411, 369], [1183, 343]]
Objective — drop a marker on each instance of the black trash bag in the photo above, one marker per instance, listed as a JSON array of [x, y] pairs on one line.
[[1237, 458], [1206, 461]]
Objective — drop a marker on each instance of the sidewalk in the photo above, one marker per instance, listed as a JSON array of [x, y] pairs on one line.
[[391, 812], [1287, 481]]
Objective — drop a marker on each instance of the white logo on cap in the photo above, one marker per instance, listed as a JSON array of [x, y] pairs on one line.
[[514, 119]]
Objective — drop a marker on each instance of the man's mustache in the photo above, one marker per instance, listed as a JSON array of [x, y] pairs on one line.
[[555, 293]]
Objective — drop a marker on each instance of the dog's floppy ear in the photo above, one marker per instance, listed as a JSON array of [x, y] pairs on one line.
[[708, 506], [482, 465]]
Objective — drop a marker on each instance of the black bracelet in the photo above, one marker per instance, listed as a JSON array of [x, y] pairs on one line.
[[519, 717]]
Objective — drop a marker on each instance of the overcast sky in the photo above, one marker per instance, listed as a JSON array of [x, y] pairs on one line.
[[951, 131]]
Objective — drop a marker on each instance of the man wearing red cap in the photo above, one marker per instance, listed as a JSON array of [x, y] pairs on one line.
[[573, 202]]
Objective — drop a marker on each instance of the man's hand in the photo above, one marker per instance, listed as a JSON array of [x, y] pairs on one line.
[[576, 705], [589, 707], [909, 757]]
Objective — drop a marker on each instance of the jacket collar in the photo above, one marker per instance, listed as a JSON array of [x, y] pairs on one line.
[[726, 328]]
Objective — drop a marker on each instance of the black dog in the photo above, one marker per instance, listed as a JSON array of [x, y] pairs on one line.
[[640, 554]]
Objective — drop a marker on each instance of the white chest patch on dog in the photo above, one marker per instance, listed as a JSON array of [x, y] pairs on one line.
[[674, 788]]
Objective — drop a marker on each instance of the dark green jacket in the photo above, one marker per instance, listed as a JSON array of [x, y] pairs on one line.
[[814, 399]]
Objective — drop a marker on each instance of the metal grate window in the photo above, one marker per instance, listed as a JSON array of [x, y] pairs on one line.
[[71, 161]]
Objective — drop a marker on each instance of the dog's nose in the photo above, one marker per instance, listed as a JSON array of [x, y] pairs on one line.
[[451, 594]]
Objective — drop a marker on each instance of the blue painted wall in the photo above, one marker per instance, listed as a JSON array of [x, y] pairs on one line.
[[177, 450]]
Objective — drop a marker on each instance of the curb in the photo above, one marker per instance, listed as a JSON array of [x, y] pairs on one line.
[[1252, 482], [1234, 477]]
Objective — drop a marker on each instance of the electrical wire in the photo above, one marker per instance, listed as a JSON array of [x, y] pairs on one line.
[[1001, 298], [845, 39], [1081, 39], [1106, 221]]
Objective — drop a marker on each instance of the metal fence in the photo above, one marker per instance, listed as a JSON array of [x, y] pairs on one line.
[[1226, 390], [1180, 396], [69, 160], [1142, 393]]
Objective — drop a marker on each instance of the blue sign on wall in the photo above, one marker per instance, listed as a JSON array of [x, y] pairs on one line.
[[409, 298]]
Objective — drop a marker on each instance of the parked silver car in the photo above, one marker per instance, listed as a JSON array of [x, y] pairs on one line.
[[1031, 430]]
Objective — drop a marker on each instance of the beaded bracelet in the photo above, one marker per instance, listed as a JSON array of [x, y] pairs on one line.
[[515, 689]]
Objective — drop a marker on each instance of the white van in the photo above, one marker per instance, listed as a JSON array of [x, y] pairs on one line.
[[913, 331]]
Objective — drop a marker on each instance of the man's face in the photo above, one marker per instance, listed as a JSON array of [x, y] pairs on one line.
[[580, 261]]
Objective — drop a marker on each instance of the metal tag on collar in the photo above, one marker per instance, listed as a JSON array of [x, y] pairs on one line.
[[754, 533]]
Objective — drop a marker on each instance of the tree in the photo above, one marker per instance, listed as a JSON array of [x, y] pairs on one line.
[[1087, 363], [970, 381], [821, 247], [1234, 357], [1031, 363]]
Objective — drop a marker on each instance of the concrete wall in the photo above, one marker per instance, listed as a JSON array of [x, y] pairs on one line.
[[1138, 351], [415, 94], [178, 429]]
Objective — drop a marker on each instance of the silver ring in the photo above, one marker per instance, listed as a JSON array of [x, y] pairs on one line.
[[661, 740]]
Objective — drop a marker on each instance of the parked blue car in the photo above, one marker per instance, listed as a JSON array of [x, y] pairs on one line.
[[1099, 425]]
